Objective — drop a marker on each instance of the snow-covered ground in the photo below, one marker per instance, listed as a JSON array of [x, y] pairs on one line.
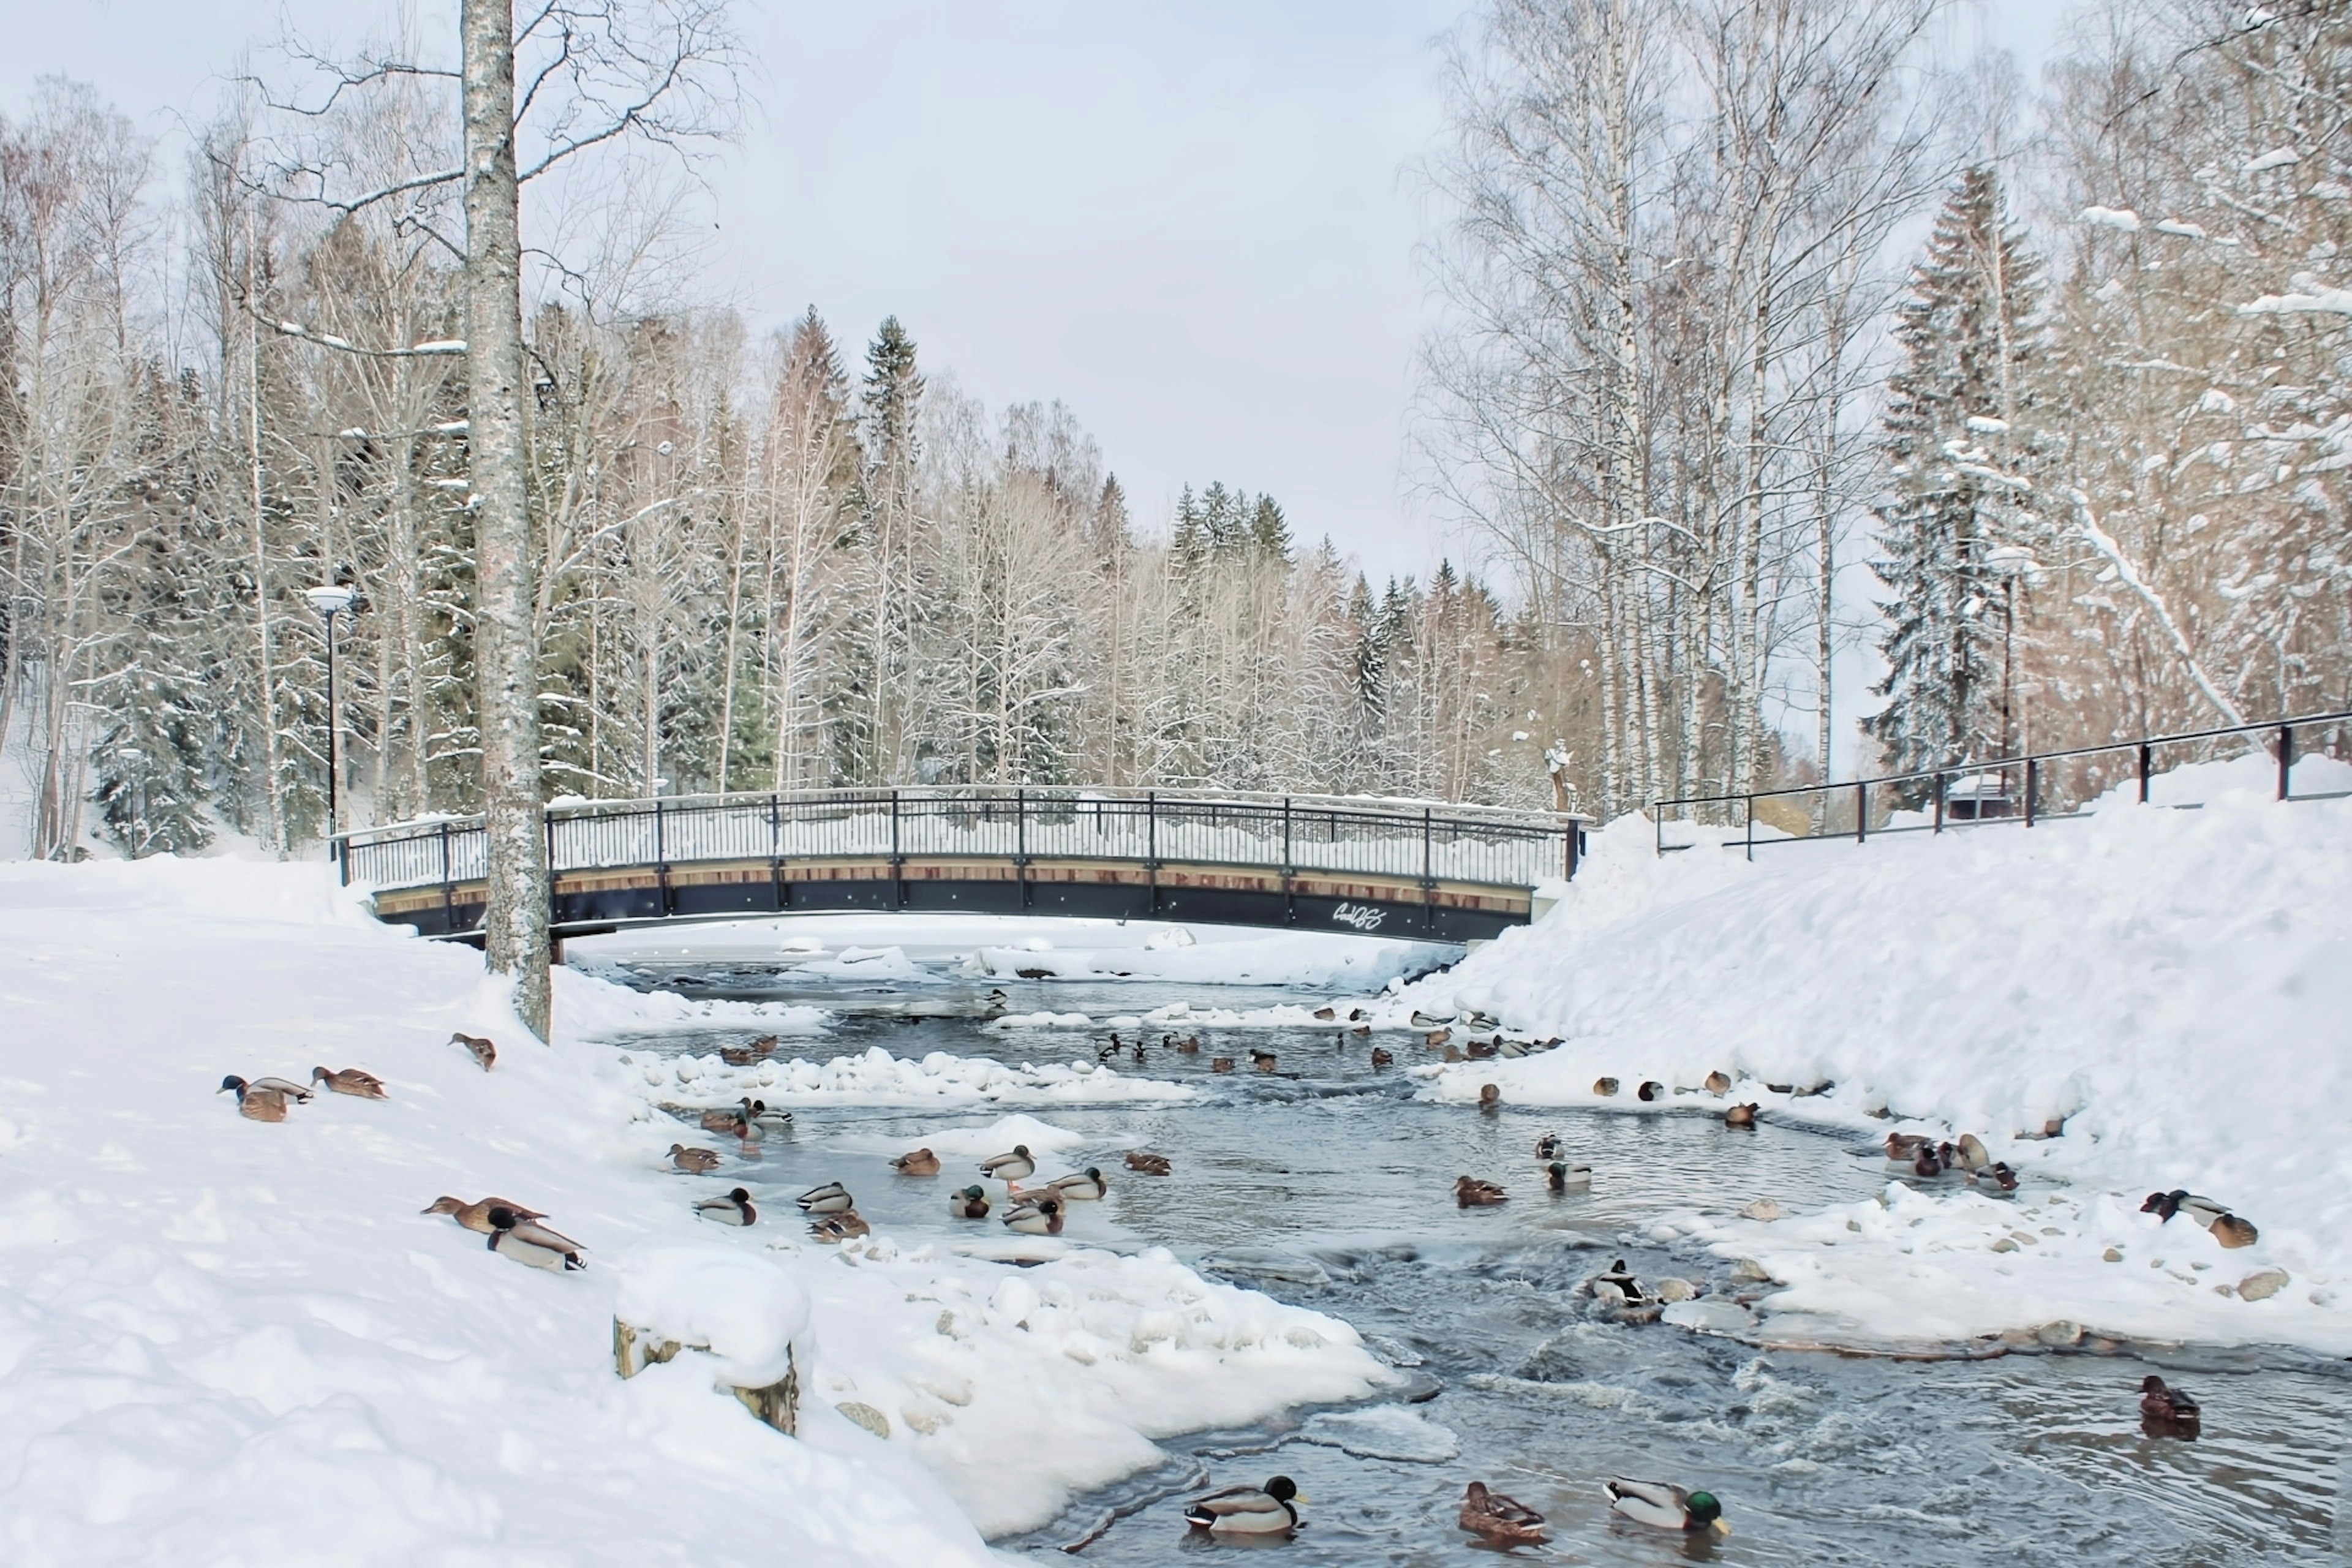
[[2174, 985], [229, 1342]]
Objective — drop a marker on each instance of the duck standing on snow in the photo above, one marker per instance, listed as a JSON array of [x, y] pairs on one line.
[[485, 1055], [834, 1229], [970, 1204], [2231, 1230], [1248, 1510], [1718, 1083], [1564, 1177], [735, 1208], [830, 1198], [1498, 1517], [1042, 1217], [1469, 1192], [921, 1163], [351, 1081], [1089, 1184], [693, 1161], [1665, 1506], [265, 1098], [1010, 1168], [2168, 1411], [1605, 1087], [519, 1241], [476, 1217]]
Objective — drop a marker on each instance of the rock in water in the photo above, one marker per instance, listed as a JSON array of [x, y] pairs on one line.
[[1764, 1209]]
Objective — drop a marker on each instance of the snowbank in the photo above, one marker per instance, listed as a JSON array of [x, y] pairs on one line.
[[227, 1341], [878, 1078], [590, 1005], [2175, 985]]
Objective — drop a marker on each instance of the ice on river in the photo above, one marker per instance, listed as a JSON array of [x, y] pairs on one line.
[[874, 1077], [1383, 1432]]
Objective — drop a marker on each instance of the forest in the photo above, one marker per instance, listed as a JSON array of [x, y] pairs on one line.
[[1771, 332]]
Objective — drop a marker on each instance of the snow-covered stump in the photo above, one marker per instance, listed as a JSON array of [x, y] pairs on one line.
[[735, 1306]]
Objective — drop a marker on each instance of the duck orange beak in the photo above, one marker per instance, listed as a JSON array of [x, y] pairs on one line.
[[1720, 1528]]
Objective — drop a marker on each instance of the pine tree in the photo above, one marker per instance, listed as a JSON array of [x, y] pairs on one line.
[[1958, 481]]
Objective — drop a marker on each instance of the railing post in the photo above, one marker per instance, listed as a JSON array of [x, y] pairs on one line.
[[1575, 835], [1289, 880], [1021, 841], [2032, 784], [775, 852], [1428, 884], [2146, 760], [1861, 812], [448, 888], [2285, 759], [1151, 849], [1750, 801], [1658, 828], [661, 861], [1939, 802], [898, 859]]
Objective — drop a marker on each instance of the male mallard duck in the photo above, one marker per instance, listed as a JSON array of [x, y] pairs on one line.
[[1042, 1217], [1564, 1177], [921, 1163], [2232, 1231], [970, 1204], [1382, 1058], [1079, 1188], [830, 1198], [694, 1162], [256, 1101], [1510, 1050], [1605, 1087], [1248, 1510], [1740, 1115], [839, 1228], [1718, 1082], [1998, 1176], [1262, 1060], [1665, 1506], [1617, 1283], [1220, 1064], [1010, 1168], [299, 1093], [1651, 1090], [485, 1055], [1490, 1098], [2203, 1210], [1150, 1164], [1550, 1146], [1469, 1192], [1498, 1517], [759, 1113], [2169, 1409], [1421, 1020], [1929, 1162], [735, 1208], [520, 1241], [476, 1217], [350, 1080]]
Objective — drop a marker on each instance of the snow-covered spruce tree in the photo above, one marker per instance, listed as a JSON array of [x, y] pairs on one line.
[[1958, 509]]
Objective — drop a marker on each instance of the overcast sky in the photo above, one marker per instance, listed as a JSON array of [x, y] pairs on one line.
[[1193, 223]]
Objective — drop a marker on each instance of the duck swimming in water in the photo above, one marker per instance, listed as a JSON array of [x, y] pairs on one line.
[[1563, 1177], [1498, 1517], [1665, 1506], [1269, 1510], [2168, 1411], [1150, 1164], [1469, 1192], [970, 1204]]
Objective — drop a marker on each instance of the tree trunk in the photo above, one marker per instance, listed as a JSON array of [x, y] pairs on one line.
[[506, 654]]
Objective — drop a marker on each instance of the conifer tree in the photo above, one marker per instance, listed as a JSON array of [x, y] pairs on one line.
[[1960, 487]]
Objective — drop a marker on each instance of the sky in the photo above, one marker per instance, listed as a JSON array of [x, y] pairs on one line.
[[1194, 223]]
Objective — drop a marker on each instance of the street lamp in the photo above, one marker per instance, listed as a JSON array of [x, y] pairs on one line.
[[328, 600]]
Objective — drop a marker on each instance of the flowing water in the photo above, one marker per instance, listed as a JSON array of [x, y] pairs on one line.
[[1325, 1184]]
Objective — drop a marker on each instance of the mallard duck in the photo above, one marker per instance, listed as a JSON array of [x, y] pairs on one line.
[[735, 1208], [1605, 1087], [1651, 1090], [1740, 1115], [2203, 1210], [760, 1114], [1550, 1146], [2232, 1231], [1617, 1283], [1490, 1098], [1248, 1510], [733, 1124], [746, 1055], [1189, 1044], [1469, 1192], [1382, 1058], [1665, 1506], [830, 1198], [1150, 1164], [1079, 1188], [253, 1102], [1220, 1064], [921, 1163], [1436, 1037], [1011, 1168], [1510, 1051], [1042, 1217], [351, 1081], [1327, 1015], [1564, 1177], [485, 1055], [1998, 1176], [1718, 1082], [1902, 1148], [1262, 1060], [1970, 1153], [476, 1217], [970, 1204], [694, 1162], [834, 1228], [1424, 1021], [2166, 1408], [520, 1241], [1480, 1050], [299, 1093], [1498, 1517], [1929, 1161]]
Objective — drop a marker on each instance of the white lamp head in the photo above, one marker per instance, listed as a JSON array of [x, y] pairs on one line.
[[330, 599]]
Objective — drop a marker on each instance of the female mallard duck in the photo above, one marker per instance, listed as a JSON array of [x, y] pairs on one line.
[[1567, 1178], [1436, 1039], [1081, 1187], [1248, 1510], [1150, 1164], [744, 1056], [1382, 1058], [485, 1055], [1718, 1082], [1665, 1506], [1042, 1217], [353, 1081], [1220, 1064], [1490, 1098], [1010, 1168], [839, 1228], [735, 1208], [520, 1241], [733, 1124], [2232, 1231], [1262, 1060], [1498, 1517], [1605, 1087], [1188, 1046], [921, 1163], [1470, 1193], [254, 1102], [2170, 1410], [1902, 1148], [1482, 1051], [476, 1217], [970, 1204], [1327, 1015], [1741, 1115], [693, 1161], [830, 1198]]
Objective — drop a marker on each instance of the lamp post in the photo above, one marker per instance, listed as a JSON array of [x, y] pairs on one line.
[[330, 600]]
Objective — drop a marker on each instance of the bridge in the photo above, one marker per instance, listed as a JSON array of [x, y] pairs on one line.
[[1388, 868]]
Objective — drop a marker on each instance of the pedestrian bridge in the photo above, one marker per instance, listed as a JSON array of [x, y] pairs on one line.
[[1388, 868]]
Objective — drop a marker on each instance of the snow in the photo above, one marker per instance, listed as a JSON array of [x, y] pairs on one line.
[[2311, 296], [2121, 219], [878, 1078], [591, 1006], [223, 1341], [2176, 984], [1383, 1432]]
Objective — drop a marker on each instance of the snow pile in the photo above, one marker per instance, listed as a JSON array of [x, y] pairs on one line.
[[742, 1308], [1234, 957], [865, 963], [1383, 1432], [587, 1005], [2169, 984], [878, 1078], [973, 1365]]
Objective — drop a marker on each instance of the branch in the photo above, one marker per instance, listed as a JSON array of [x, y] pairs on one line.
[[440, 348], [2104, 543]]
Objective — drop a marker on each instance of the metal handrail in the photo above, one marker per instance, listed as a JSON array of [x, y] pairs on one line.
[[2031, 762]]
